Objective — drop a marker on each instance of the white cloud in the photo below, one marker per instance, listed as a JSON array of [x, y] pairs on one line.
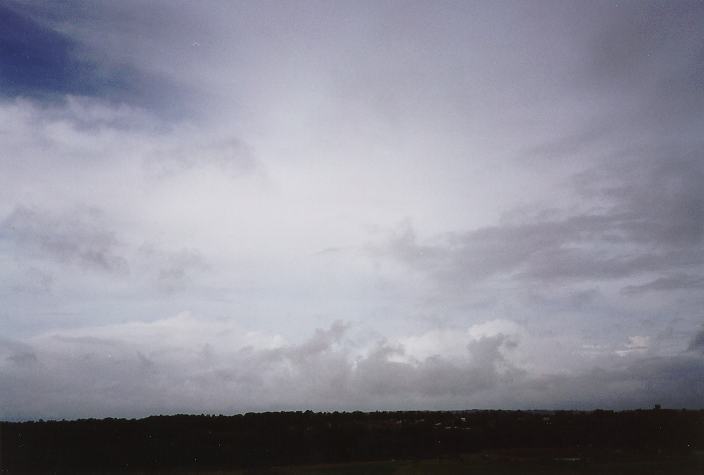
[[636, 344]]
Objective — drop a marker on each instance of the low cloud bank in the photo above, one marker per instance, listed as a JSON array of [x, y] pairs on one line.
[[183, 364]]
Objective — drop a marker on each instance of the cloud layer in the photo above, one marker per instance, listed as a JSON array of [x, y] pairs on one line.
[[501, 203], [177, 364]]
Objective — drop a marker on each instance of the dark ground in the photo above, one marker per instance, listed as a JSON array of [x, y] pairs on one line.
[[482, 442]]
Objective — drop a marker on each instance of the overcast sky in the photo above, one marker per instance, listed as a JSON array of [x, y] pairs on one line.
[[231, 206]]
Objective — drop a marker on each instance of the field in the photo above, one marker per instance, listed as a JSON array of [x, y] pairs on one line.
[[417, 442], [526, 462]]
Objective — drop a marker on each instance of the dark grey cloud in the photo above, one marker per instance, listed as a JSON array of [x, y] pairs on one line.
[[654, 49], [172, 270], [17, 352], [638, 217], [655, 192], [23, 358], [84, 238], [571, 144], [674, 381], [378, 375], [321, 341], [697, 343], [643, 64], [674, 282], [79, 238], [634, 38]]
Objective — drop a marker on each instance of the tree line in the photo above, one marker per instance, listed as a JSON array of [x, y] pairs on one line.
[[287, 438]]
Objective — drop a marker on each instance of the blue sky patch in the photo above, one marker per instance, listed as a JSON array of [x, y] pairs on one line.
[[39, 62]]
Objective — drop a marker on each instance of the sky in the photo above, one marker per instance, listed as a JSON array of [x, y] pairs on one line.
[[221, 207]]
